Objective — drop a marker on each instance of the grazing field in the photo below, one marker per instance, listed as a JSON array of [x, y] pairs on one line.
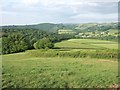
[[23, 71], [79, 63], [87, 44]]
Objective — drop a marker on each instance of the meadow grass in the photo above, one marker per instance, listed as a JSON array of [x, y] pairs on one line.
[[73, 53], [113, 31], [87, 44], [58, 69], [23, 71], [109, 46]]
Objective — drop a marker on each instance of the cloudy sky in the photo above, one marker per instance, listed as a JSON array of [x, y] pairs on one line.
[[58, 11]]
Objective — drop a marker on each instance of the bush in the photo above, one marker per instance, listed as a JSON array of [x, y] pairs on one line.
[[44, 43]]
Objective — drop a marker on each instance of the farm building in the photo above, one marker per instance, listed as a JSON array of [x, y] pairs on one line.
[[62, 31]]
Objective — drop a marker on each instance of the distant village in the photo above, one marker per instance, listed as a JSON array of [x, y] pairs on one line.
[[90, 34]]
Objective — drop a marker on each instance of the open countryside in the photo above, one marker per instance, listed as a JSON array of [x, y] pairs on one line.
[[60, 56], [42, 72], [45, 68], [59, 44]]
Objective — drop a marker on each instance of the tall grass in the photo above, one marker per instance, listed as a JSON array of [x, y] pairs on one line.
[[42, 72], [105, 54]]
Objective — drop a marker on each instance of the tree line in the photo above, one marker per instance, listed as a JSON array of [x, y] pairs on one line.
[[18, 40]]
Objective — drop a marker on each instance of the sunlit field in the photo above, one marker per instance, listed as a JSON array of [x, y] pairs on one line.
[[23, 71], [87, 44]]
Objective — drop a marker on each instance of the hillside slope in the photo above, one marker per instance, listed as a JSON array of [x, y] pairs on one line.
[[87, 27]]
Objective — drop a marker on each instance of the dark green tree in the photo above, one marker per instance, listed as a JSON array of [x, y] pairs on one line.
[[44, 43], [13, 43]]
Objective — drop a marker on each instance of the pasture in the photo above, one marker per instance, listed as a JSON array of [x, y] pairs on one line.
[[23, 71], [47, 69], [87, 44]]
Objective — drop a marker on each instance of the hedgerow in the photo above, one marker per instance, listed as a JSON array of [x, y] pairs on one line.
[[106, 54]]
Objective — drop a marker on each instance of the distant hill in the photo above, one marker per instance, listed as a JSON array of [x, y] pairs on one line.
[[87, 27], [43, 26], [96, 27]]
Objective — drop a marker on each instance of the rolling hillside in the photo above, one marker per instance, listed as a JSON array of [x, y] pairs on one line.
[[36, 72], [86, 27], [87, 44]]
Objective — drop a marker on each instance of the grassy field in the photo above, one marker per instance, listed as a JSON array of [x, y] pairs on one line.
[[21, 70], [113, 31], [87, 44]]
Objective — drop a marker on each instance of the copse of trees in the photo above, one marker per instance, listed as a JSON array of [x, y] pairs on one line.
[[44, 43], [13, 43], [18, 40]]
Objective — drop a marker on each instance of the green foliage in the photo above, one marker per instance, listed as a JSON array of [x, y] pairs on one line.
[[44, 43], [105, 54], [50, 27], [72, 65], [27, 37], [32, 33], [13, 43]]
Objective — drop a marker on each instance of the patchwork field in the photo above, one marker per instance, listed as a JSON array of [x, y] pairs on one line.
[[87, 44]]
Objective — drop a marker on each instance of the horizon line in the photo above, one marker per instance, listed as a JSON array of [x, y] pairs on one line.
[[56, 23]]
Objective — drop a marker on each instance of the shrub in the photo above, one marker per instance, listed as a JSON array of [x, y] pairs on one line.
[[44, 43]]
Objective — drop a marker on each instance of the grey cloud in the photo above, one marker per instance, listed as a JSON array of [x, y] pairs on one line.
[[15, 12]]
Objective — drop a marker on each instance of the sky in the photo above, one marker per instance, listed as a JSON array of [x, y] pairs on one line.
[[22, 12]]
